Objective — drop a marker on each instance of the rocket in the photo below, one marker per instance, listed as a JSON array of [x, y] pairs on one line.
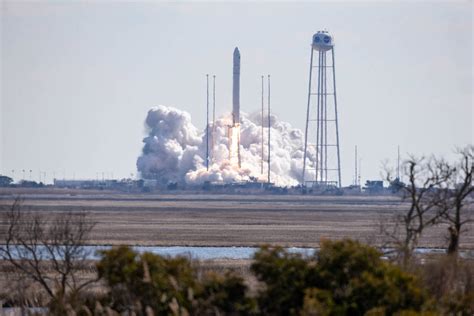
[[236, 88], [234, 129]]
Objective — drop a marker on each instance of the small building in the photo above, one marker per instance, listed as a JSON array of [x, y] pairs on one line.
[[374, 186]]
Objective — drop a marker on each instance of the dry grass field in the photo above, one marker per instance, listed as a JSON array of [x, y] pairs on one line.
[[226, 220]]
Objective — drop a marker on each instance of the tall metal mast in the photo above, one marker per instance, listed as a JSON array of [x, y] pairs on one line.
[[355, 161], [398, 162], [269, 128], [324, 155], [213, 133], [307, 116], [261, 162], [207, 122], [335, 117], [360, 170]]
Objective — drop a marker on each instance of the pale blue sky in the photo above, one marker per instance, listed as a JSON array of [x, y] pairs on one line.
[[77, 78]]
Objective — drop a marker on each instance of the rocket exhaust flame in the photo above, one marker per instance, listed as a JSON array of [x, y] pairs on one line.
[[234, 145]]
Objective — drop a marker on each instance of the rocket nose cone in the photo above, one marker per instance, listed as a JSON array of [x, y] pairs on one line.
[[236, 51]]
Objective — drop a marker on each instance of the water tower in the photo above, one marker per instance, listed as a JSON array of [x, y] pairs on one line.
[[322, 164]]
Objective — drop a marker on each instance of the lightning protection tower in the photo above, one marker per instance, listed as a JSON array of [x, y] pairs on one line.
[[322, 165]]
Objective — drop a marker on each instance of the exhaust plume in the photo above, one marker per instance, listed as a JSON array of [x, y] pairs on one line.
[[175, 150]]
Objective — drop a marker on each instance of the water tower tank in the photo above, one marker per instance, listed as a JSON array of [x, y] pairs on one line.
[[322, 41]]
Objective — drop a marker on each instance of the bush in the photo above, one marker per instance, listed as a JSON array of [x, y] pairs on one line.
[[450, 282], [169, 286], [147, 280], [285, 277], [225, 293], [360, 280], [344, 278]]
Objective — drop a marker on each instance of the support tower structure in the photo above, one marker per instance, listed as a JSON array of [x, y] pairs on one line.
[[322, 164]]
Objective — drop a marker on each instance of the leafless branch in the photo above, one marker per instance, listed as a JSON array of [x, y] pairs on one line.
[[425, 190], [48, 250]]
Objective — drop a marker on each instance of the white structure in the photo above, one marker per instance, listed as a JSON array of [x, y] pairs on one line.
[[234, 129], [321, 118], [322, 41], [236, 88]]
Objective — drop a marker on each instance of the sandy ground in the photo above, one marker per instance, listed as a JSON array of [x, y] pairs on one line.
[[226, 220]]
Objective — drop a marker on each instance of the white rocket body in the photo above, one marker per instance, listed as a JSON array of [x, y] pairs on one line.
[[234, 129], [236, 88]]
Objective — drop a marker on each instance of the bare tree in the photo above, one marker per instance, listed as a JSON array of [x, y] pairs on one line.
[[458, 198], [426, 187], [47, 250]]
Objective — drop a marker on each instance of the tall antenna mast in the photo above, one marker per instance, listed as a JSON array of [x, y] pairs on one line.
[[269, 128], [207, 123], [213, 114], [398, 162], [261, 163], [355, 160], [360, 169]]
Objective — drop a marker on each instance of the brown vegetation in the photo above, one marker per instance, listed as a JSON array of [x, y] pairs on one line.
[[43, 254], [226, 220], [46, 250], [437, 192], [344, 278]]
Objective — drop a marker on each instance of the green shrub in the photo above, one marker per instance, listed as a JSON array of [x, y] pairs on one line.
[[360, 280], [343, 278], [225, 293], [146, 280], [285, 278], [169, 286], [118, 265], [317, 303]]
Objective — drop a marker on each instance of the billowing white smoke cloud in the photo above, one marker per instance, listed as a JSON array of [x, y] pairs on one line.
[[175, 150]]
